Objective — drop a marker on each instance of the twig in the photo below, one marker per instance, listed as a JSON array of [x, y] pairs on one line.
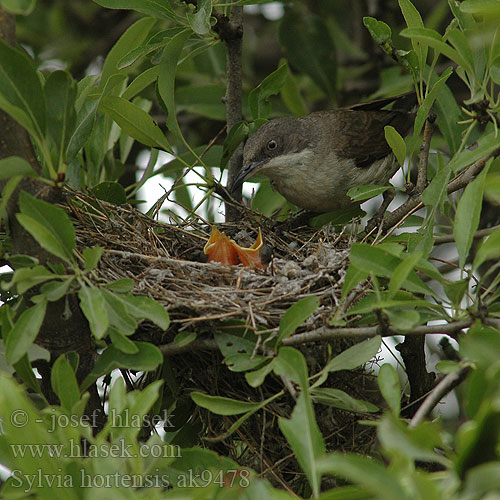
[[450, 238], [447, 384], [459, 182], [423, 160], [322, 334]]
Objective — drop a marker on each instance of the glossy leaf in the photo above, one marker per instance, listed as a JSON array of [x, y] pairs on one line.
[[142, 307], [295, 316], [402, 271], [134, 122], [21, 93], [485, 145], [122, 342], [92, 257], [24, 332], [308, 444], [361, 193], [153, 8], [355, 356], [92, 304], [396, 142], [132, 38], [80, 134], [258, 99], [60, 95], [200, 20], [28, 277], [467, 216], [48, 224]]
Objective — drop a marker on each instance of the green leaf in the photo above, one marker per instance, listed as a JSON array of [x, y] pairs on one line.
[[396, 142], [361, 193], [296, 315], [380, 481], [60, 95], [26, 278], [64, 382], [435, 193], [19, 7], [428, 102], [222, 406], [122, 285], [489, 250], [49, 225], [118, 314], [134, 122], [486, 144], [92, 304], [80, 134], [379, 31], [258, 99], [230, 344], [200, 20], [92, 257], [55, 290], [402, 271], [339, 399], [137, 53], [112, 192], [14, 165], [166, 78], [132, 38], [435, 40], [308, 444], [414, 20], [402, 319], [121, 342], [380, 262], [310, 47], [21, 93], [142, 307], [257, 377], [467, 216], [355, 356], [153, 8], [147, 359], [455, 290], [236, 136], [388, 382], [24, 332]]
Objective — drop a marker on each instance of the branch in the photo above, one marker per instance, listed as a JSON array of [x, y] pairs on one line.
[[326, 334], [449, 238], [459, 182], [423, 160], [447, 384], [231, 31]]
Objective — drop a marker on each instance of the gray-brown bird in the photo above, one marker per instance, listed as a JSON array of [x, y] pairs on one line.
[[315, 159]]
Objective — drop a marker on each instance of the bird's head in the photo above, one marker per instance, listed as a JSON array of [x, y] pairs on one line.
[[274, 148]]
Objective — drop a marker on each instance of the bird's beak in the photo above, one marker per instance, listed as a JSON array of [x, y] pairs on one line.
[[245, 173]]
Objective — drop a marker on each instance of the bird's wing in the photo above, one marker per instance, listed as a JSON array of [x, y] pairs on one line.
[[360, 135]]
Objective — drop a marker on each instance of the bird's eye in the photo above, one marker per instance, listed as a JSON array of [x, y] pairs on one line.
[[272, 145]]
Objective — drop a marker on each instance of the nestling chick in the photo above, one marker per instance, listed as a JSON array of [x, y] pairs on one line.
[[315, 159]]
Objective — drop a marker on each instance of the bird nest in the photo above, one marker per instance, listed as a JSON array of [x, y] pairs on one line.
[[166, 262]]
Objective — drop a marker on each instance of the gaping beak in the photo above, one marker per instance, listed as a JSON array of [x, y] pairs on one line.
[[245, 173]]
